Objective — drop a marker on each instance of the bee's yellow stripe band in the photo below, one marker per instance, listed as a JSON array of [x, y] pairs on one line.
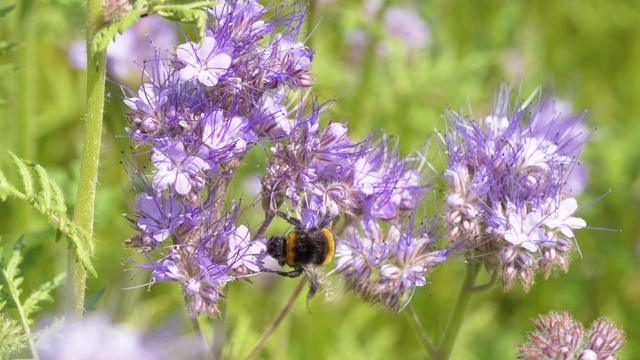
[[291, 245], [331, 245]]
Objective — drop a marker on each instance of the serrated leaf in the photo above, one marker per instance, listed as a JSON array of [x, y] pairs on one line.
[[42, 294], [191, 13], [103, 37], [13, 339], [45, 185], [128, 21], [58, 197], [23, 172], [50, 202]]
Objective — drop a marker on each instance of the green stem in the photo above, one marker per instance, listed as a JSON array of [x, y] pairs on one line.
[[276, 321], [85, 203], [312, 10], [421, 334], [198, 330], [459, 312], [220, 330]]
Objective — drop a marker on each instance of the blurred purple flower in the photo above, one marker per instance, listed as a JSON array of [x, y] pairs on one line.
[[406, 25], [97, 338], [128, 51]]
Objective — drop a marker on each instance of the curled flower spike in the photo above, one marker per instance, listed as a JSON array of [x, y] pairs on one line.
[[386, 267], [507, 177], [559, 336]]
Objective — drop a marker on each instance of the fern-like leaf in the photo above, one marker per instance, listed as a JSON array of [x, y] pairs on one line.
[[41, 294], [10, 276], [47, 198], [13, 339]]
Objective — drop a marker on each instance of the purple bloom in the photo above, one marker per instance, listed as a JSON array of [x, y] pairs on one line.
[[159, 217], [129, 50], [404, 24], [288, 62], [245, 255], [560, 336], [176, 169], [386, 268], [207, 62], [224, 137], [507, 174], [96, 337]]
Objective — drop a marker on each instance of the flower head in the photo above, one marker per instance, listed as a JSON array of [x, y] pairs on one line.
[[559, 336], [508, 173]]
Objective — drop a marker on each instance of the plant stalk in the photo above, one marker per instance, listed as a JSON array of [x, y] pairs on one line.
[[459, 311], [276, 321], [85, 203]]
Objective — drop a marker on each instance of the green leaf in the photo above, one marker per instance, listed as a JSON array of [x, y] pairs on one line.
[[5, 10], [13, 339], [23, 172], [41, 294], [91, 301], [191, 13], [45, 186], [49, 200], [103, 37]]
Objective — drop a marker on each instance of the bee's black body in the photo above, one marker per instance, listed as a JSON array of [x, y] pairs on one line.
[[303, 250]]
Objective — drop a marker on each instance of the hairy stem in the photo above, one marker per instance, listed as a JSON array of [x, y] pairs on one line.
[[83, 214], [421, 334], [196, 328], [459, 312], [276, 321]]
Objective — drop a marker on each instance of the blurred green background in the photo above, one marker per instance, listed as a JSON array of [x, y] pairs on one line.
[[583, 52]]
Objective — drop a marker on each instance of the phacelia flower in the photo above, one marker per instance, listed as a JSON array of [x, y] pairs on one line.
[[207, 62], [507, 176], [199, 111], [97, 338], [386, 266], [560, 336]]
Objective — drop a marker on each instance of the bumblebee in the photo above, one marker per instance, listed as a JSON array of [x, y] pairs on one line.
[[303, 250]]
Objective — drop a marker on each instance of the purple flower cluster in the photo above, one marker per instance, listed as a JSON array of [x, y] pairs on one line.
[[560, 336], [197, 116], [320, 172], [508, 176], [511, 175]]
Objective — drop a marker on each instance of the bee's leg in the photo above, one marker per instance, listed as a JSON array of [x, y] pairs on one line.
[[291, 274], [326, 219], [314, 281], [290, 220]]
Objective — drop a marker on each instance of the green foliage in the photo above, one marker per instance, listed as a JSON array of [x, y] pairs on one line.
[[14, 337], [187, 13], [47, 198]]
